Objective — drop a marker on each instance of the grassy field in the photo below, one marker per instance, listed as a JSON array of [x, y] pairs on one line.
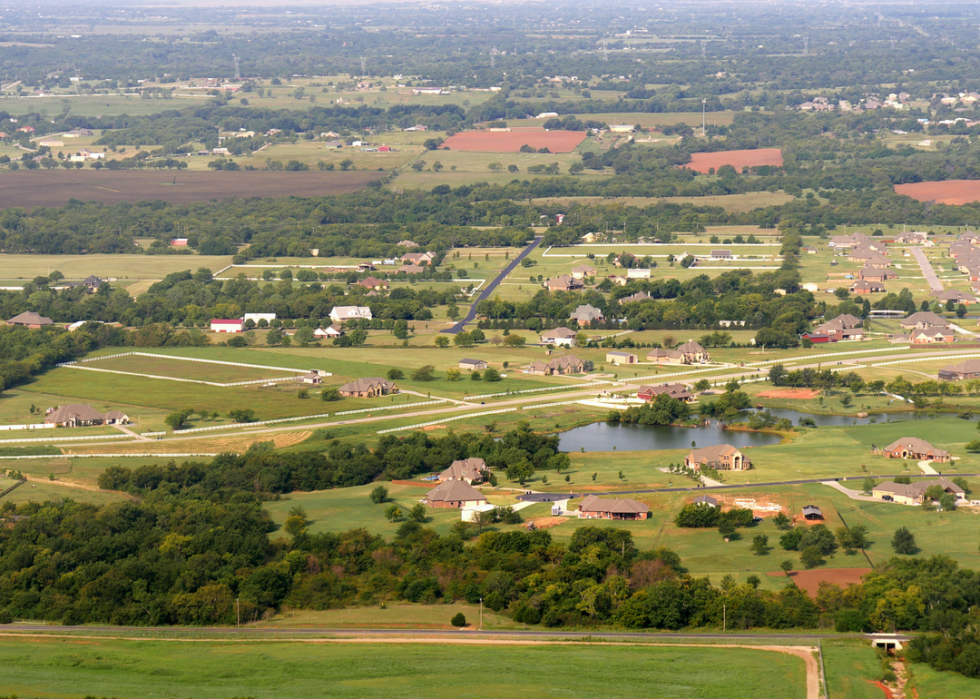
[[393, 615], [851, 667], [60, 669], [932, 684], [41, 492], [106, 266], [195, 371]]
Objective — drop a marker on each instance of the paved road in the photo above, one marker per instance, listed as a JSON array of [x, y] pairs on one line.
[[927, 270], [488, 289], [552, 497], [140, 631]]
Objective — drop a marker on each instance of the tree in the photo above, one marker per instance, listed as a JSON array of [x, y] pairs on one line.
[[242, 415], [491, 374], [442, 341], [379, 495], [515, 341], [393, 513], [786, 567], [329, 395], [418, 513], [453, 374], [346, 164], [702, 385], [458, 620], [395, 374], [274, 337], [811, 557], [424, 373], [868, 485], [781, 521], [176, 419], [904, 542], [760, 545]]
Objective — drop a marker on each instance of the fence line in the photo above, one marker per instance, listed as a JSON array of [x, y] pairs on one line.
[[152, 434], [174, 378], [101, 456], [185, 359], [971, 355], [536, 390], [31, 428], [66, 439], [448, 419], [392, 407]]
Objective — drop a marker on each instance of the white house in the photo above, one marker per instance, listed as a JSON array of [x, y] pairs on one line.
[[341, 313], [226, 326]]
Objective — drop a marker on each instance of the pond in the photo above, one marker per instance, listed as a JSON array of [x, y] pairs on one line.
[[603, 436]]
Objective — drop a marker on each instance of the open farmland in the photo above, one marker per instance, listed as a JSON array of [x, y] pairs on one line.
[[59, 668], [175, 367], [511, 141], [703, 162], [133, 266], [57, 187], [946, 192]]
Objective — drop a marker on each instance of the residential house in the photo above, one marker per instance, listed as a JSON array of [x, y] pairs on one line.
[[932, 336], [472, 364], [582, 271], [330, 332], [955, 296], [912, 448], [418, 258], [559, 336], [694, 353], [914, 238], [75, 415], [593, 507], [585, 314], [339, 314], [842, 327], [863, 286], [721, 457], [30, 319], [227, 325], [92, 283], [665, 356], [638, 273], [455, 493], [874, 274], [565, 282], [970, 369], [617, 357], [116, 417], [410, 269], [721, 254], [618, 279], [923, 320], [370, 387], [471, 470], [913, 493], [638, 296], [566, 364], [313, 378], [373, 283], [677, 391]]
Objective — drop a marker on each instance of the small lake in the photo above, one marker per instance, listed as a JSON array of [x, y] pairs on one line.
[[603, 436]]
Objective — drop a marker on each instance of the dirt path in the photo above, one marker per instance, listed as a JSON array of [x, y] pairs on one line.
[[806, 653]]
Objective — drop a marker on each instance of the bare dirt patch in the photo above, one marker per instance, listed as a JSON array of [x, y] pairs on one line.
[[760, 507], [548, 522], [802, 393], [945, 192], [809, 580], [56, 187], [702, 162], [511, 141]]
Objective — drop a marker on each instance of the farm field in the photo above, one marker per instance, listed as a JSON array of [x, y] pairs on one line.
[[106, 266], [943, 192], [393, 615], [511, 141], [15, 409], [702, 162], [56, 187], [63, 668], [192, 370]]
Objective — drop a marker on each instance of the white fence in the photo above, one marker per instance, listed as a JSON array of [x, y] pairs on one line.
[[104, 456], [174, 378], [392, 407], [537, 390], [38, 426], [153, 434], [480, 414], [186, 359], [972, 355], [54, 439]]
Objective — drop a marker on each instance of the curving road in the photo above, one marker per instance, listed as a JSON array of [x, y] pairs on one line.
[[489, 288]]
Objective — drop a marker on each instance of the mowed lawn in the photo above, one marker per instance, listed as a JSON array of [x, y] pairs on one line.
[[63, 669], [181, 369], [118, 266]]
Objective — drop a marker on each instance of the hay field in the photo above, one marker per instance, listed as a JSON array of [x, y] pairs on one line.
[[76, 267]]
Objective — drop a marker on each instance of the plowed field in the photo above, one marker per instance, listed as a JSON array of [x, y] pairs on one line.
[[56, 187], [945, 192], [702, 162], [511, 141]]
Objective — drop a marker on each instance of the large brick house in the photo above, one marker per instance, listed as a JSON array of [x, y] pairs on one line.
[[721, 457], [674, 390], [471, 470], [923, 320], [370, 387], [593, 507], [913, 493], [30, 319], [454, 493], [559, 336], [694, 353], [566, 364], [970, 369], [912, 448]]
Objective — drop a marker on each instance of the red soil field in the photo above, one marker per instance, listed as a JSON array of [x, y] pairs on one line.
[[945, 192], [790, 393], [56, 187], [809, 580], [511, 141], [702, 162]]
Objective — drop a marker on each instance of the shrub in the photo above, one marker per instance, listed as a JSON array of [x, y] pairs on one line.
[[459, 620], [379, 495]]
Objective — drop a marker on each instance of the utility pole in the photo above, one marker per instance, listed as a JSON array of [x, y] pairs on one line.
[[704, 101], [481, 614], [238, 608], [724, 618]]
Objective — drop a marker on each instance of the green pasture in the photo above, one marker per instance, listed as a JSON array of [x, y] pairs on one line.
[[66, 668], [933, 684], [194, 371], [76, 267], [97, 105], [392, 615], [42, 492], [85, 471], [851, 666]]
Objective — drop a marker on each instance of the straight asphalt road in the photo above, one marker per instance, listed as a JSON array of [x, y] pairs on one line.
[[488, 289], [927, 270]]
